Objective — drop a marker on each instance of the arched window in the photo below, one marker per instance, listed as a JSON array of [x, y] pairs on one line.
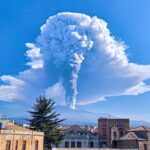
[[115, 135]]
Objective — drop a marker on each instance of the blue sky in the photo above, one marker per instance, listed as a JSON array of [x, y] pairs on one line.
[[20, 22]]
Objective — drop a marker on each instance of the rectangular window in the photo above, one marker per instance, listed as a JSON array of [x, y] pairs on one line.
[[104, 144], [36, 145], [16, 146], [78, 144], [121, 132], [24, 145], [91, 144], [72, 144], [104, 132], [66, 144], [145, 147], [104, 125], [8, 145]]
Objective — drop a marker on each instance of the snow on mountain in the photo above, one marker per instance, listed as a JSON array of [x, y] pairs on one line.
[[82, 117]]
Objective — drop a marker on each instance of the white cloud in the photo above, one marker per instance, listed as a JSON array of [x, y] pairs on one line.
[[138, 89], [10, 88], [34, 54], [56, 92], [77, 60]]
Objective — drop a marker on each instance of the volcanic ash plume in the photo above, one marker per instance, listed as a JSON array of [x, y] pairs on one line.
[[78, 51], [76, 61], [64, 42]]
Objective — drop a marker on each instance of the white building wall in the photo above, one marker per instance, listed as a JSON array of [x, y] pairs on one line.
[[84, 143]]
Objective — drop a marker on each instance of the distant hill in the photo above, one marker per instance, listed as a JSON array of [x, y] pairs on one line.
[[82, 117], [136, 123]]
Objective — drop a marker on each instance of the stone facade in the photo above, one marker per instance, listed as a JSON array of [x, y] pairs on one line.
[[14, 137], [135, 138], [109, 130], [77, 137]]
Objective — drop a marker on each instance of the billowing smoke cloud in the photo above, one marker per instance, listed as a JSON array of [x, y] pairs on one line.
[[75, 60]]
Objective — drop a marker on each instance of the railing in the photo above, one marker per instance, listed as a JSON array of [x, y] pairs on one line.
[[21, 132], [86, 137]]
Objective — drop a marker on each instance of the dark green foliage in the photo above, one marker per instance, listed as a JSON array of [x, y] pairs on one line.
[[45, 119]]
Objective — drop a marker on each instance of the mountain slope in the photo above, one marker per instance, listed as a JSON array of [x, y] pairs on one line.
[[82, 117]]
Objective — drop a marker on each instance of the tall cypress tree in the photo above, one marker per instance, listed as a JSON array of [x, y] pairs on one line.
[[45, 119]]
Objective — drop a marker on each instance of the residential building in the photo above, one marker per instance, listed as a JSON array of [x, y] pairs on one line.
[[15, 137], [109, 130], [77, 137], [136, 138]]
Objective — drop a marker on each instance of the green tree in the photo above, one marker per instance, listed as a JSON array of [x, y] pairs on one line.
[[45, 119]]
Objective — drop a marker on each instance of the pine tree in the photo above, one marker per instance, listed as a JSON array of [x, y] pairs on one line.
[[45, 119]]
